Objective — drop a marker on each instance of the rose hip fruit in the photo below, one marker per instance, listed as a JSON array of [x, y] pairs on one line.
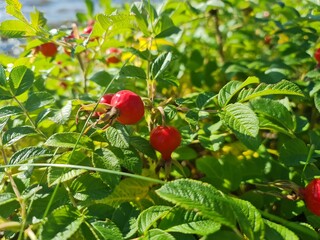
[[129, 105], [311, 195], [317, 55], [165, 139], [113, 55], [48, 49]]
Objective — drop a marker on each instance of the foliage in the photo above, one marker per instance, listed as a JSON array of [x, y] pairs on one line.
[[237, 79]]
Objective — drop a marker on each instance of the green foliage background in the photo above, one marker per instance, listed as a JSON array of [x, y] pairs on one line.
[[237, 78]]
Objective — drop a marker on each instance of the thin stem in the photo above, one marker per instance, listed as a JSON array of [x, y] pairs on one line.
[[57, 165], [311, 150]]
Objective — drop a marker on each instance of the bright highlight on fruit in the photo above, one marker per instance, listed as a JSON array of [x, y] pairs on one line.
[[165, 139]]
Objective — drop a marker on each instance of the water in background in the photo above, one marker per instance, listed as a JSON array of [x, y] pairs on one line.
[[57, 12]]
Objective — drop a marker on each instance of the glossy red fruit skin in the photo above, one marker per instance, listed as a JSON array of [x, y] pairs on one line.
[[165, 139], [113, 55], [129, 105], [317, 55], [311, 195], [48, 49]]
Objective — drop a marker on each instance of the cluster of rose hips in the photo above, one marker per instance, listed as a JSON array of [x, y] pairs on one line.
[[127, 108]]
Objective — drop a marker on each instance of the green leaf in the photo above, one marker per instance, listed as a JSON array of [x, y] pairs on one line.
[[143, 146], [108, 161], [157, 234], [90, 7], [56, 175], [125, 217], [273, 109], [118, 136], [293, 152], [129, 159], [88, 187], [317, 101], [243, 122], [150, 216], [160, 64], [69, 140], [141, 17], [8, 111], [29, 153], [3, 123], [276, 231], [232, 88], [266, 123], [239, 117], [132, 72], [168, 32], [114, 23], [165, 27], [14, 29], [38, 100], [3, 78], [101, 78], [13, 135], [184, 153], [20, 80], [7, 198], [203, 99], [63, 115], [37, 19], [62, 223], [211, 203], [283, 87], [249, 219], [128, 190], [14, 8], [188, 222], [107, 230], [223, 173]]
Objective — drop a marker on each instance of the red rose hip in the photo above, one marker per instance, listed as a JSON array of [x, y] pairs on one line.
[[129, 105], [48, 49], [317, 55], [165, 139], [311, 195]]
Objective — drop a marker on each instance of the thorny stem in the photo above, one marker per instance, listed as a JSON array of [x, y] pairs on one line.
[[18, 195]]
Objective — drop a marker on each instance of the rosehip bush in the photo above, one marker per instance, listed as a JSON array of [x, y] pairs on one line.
[[226, 91]]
